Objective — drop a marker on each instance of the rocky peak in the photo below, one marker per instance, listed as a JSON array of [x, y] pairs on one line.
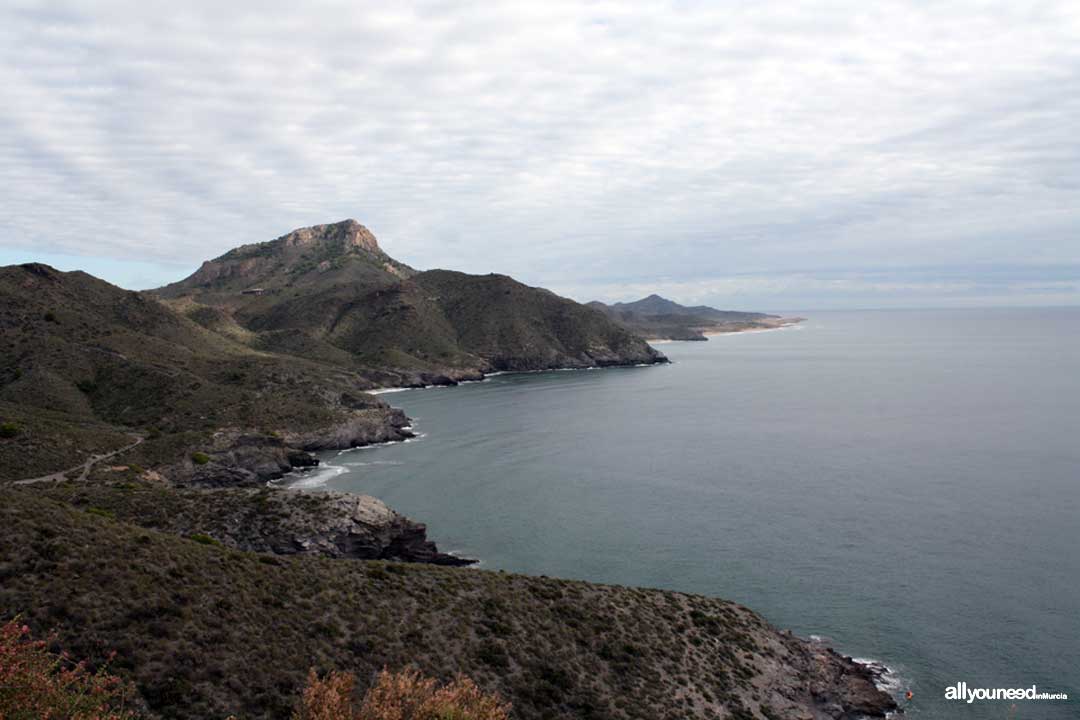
[[347, 234]]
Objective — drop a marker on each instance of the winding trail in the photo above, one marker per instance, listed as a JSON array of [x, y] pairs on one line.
[[85, 468]]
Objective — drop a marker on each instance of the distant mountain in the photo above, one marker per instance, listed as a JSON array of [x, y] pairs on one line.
[[330, 292], [656, 305], [658, 318]]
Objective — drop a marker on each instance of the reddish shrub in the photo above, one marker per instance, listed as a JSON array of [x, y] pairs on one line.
[[35, 683]]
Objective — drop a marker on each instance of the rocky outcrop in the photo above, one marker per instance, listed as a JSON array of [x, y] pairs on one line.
[[835, 686], [353, 526], [244, 458], [264, 520], [364, 427]]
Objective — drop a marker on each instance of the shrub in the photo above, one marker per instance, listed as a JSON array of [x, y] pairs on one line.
[[9, 430], [405, 695], [101, 512], [200, 458], [35, 683], [203, 539]]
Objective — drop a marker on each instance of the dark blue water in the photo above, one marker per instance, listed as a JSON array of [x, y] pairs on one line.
[[906, 484]]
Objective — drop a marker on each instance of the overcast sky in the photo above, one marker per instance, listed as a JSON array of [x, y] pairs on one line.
[[749, 155]]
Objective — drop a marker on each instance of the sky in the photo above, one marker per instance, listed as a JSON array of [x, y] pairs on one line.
[[760, 156]]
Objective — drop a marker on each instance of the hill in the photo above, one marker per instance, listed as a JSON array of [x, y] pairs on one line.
[[205, 631], [86, 368], [658, 318], [330, 292]]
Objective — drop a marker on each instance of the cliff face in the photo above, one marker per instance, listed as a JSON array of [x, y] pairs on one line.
[[208, 631], [330, 292]]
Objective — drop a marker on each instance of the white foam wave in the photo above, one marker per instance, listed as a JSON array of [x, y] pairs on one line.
[[374, 462], [316, 477], [886, 679]]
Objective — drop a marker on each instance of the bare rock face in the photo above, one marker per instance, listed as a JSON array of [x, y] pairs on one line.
[[360, 526], [349, 233]]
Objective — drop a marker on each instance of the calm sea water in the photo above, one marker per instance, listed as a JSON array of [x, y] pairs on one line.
[[906, 484]]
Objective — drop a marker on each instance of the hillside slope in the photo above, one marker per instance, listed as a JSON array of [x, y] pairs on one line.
[[205, 631], [85, 366]]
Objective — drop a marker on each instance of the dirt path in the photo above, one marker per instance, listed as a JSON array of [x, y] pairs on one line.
[[84, 468]]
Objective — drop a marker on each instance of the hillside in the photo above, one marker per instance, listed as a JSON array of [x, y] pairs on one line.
[[205, 631], [87, 367], [658, 318], [330, 292]]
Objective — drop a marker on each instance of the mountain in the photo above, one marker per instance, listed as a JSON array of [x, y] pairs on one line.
[[656, 305], [658, 318], [330, 292]]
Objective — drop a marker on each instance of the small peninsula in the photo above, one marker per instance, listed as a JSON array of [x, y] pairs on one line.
[[657, 318]]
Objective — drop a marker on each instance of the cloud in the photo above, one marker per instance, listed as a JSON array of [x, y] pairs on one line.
[[588, 146]]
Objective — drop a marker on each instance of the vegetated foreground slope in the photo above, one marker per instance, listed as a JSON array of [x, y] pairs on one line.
[[658, 318], [329, 291], [205, 631]]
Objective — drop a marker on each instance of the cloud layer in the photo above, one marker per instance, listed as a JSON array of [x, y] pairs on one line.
[[763, 154]]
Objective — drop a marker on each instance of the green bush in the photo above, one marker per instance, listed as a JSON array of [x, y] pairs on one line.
[[203, 539], [101, 512], [9, 430], [200, 458]]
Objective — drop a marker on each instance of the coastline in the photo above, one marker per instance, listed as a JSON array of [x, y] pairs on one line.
[[486, 376], [778, 324]]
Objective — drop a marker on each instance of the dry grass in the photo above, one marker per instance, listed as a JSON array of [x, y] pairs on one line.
[[404, 695]]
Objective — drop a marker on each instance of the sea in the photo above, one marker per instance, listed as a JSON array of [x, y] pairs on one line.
[[904, 485]]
